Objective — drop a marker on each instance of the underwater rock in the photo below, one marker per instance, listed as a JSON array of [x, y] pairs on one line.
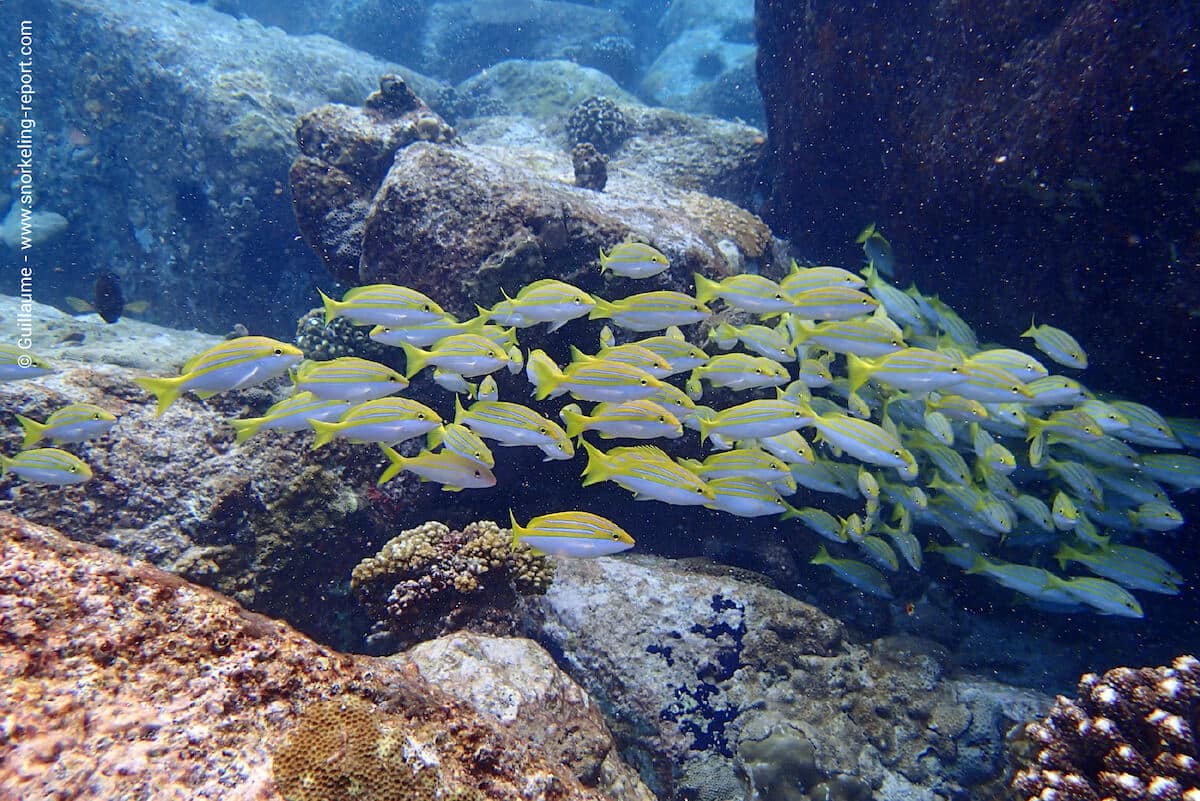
[[118, 680], [43, 225], [1049, 144], [699, 669], [537, 89], [267, 522], [183, 121], [703, 73], [464, 38], [514, 681], [489, 216]]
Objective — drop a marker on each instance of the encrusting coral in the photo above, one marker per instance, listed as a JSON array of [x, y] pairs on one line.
[[430, 580], [600, 121], [1128, 736]]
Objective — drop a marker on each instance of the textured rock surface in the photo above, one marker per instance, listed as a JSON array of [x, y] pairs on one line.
[[118, 680], [709, 679], [166, 143], [1051, 145], [460, 222], [516, 683], [271, 522]]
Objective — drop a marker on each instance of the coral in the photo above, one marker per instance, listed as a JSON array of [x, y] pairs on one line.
[[600, 121], [339, 337], [591, 166], [1129, 735], [614, 55], [119, 680], [430, 580], [340, 752]]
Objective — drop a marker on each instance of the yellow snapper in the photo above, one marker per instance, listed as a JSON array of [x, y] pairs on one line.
[[753, 463], [461, 440], [1060, 346], [447, 468], [634, 260], [348, 378], [831, 303], [76, 422], [915, 369], [866, 442], [18, 363], [651, 311], [855, 573], [385, 420], [291, 414], [630, 353], [756, 419], [863, 336], [233, 364], [511, 424], [877, 249], [773, 343], [738, 371], [547, 300], [383, 304], [751, 293], [592, 380], [636, 419], [46, 466], [647, 472], [680, 354], [467, 355], [800, 278], [744, 497], [425, 334], [571, 534]]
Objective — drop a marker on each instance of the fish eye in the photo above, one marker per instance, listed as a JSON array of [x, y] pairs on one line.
[[643, 381], [696, 307], [393, 378], [491, 354], [896, 453], [1015, 390], [478, 474], [73, 469], [542, 430], [95, 417], [420, 415], [662, 419], [954, 369], [615, 537], [778, 296], [279, 351], [700, 490], [758, 371], [427, 308]]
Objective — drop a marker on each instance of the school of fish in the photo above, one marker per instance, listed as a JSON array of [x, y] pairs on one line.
[[971, 451]]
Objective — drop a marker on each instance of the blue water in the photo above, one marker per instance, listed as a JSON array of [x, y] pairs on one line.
[[165, 133]]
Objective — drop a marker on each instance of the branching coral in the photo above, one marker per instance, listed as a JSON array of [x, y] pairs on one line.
[[1129, 736], [430, 580]]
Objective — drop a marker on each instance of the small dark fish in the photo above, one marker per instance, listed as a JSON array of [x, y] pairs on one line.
[[109, 302]]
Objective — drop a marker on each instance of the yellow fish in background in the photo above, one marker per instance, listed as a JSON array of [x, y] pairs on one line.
[[571, 534], [383, 304], [76, 422], [634, 260], [234, 364], [447, 468], [651, 311]]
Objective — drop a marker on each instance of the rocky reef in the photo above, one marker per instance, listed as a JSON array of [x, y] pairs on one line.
[[120, 680], [486, 216], [720, 687], [1048, 144], [165, 142]]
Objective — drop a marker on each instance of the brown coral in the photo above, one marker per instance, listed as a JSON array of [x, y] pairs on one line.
[[430, 580], [1128, 736], [340, 752]]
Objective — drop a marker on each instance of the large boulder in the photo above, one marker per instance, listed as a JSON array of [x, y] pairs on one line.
[[166, 131], [118, 680], [719, 686], [1049, 147], [461, 221]]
